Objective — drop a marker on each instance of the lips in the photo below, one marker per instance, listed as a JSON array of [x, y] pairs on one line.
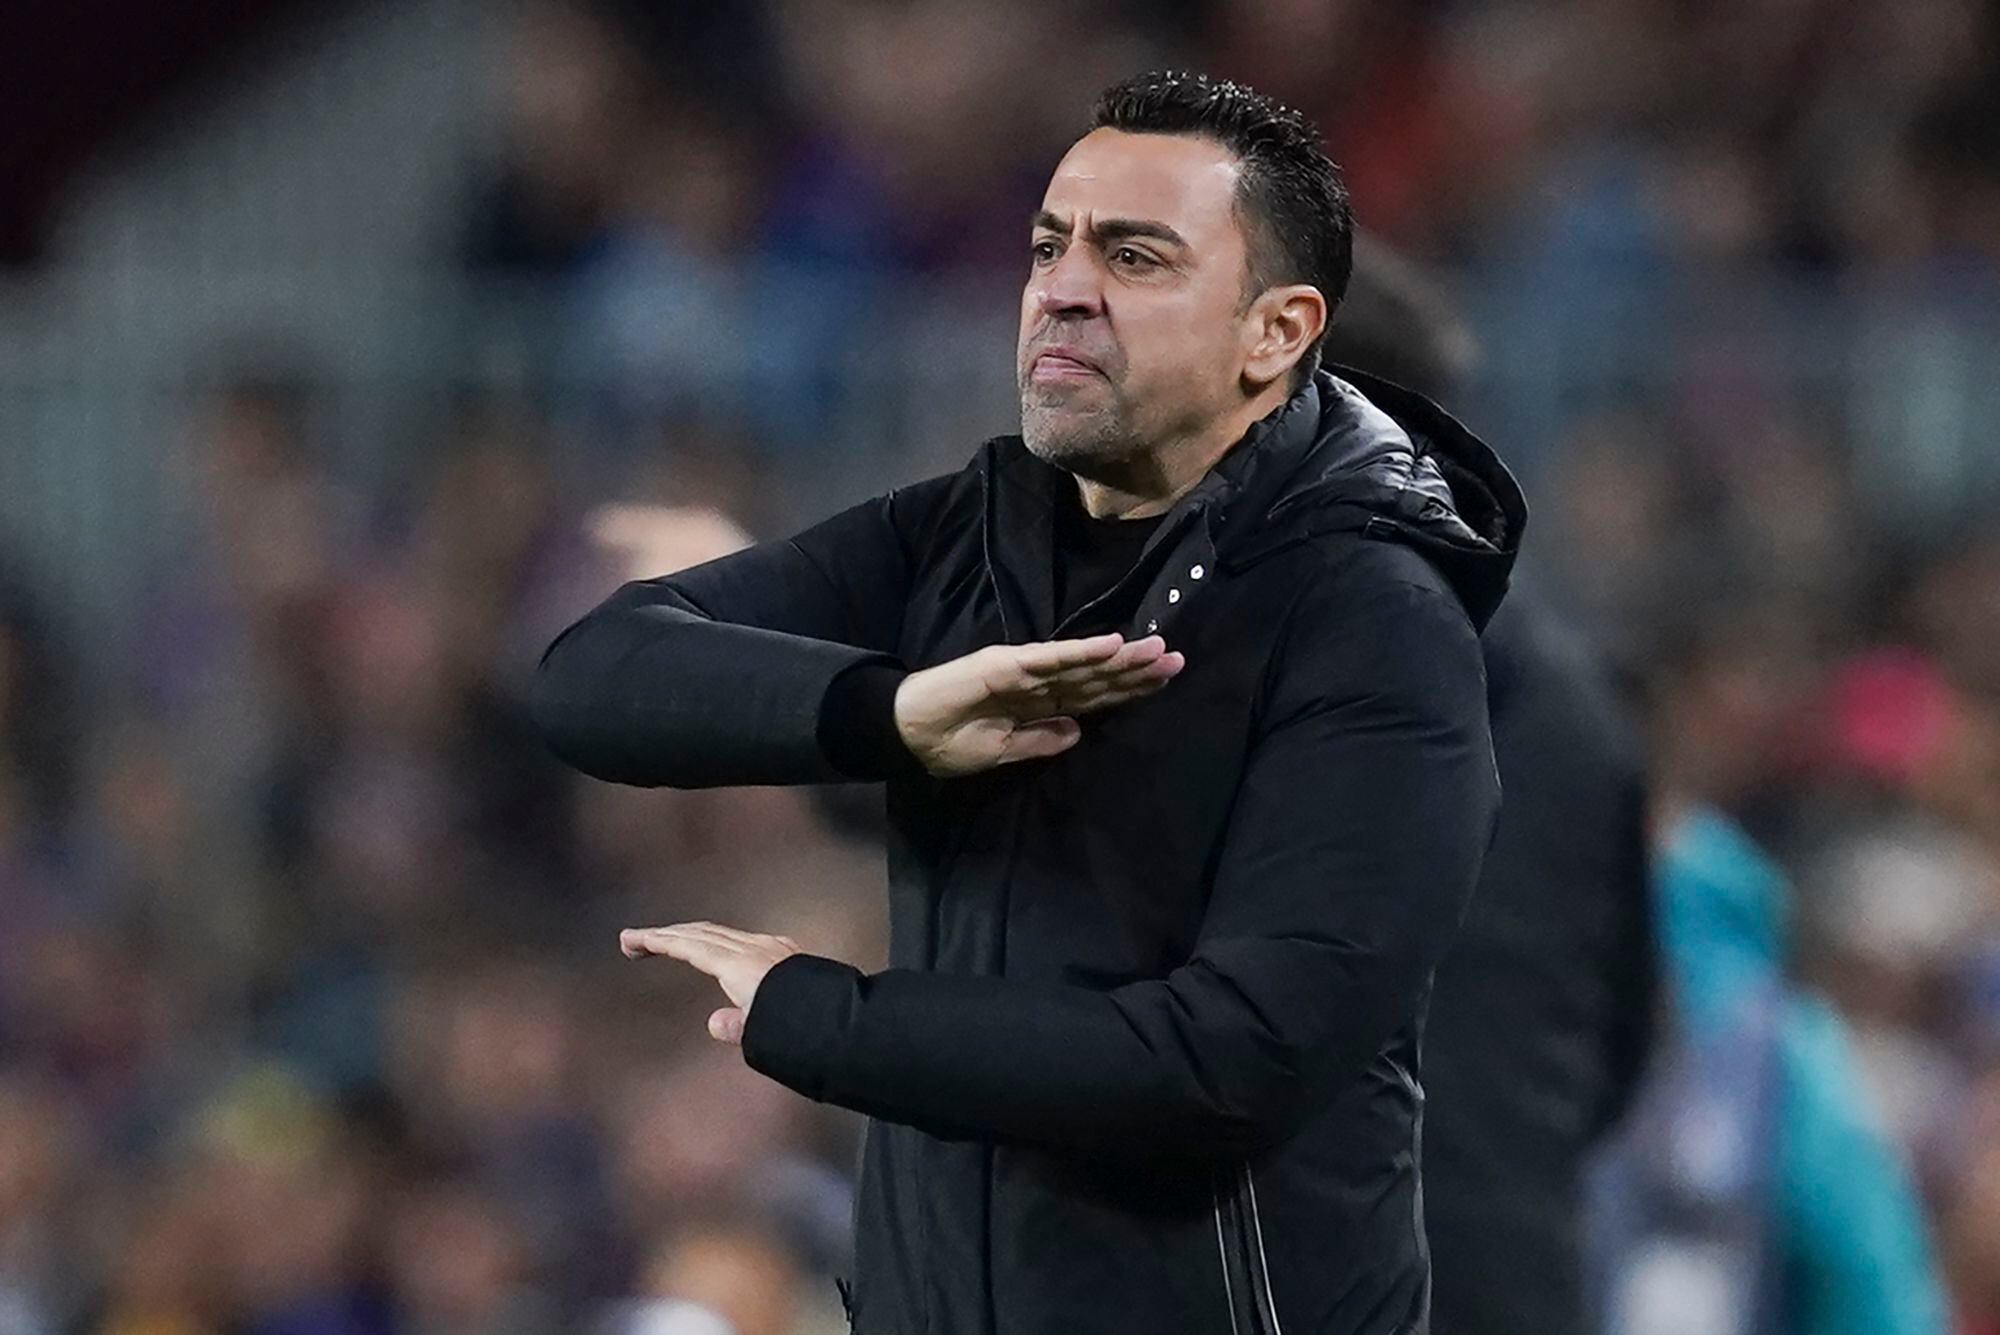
[[1062, 364]]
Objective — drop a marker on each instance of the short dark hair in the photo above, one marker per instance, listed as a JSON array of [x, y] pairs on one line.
[[1290, 197]]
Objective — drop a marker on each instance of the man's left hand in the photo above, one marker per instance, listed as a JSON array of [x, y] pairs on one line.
[[737, 960]]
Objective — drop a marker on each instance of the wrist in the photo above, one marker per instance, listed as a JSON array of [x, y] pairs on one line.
[[859, 732], [793, 1031]]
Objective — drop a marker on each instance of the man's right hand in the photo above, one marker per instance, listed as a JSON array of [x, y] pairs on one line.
[[1011, 702]]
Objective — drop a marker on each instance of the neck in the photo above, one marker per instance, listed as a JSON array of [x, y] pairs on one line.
[[1149, 482]]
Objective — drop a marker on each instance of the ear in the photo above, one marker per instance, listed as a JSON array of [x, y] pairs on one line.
[[1280, 326]]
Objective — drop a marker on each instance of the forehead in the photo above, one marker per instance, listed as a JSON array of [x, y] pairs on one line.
[[1185, 181]]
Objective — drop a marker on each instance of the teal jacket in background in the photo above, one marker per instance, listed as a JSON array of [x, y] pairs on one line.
[[1854, 1248]]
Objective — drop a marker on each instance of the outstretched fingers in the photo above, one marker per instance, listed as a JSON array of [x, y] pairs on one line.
[[1060, 686], [1052, 657], [704, 952], [1037, 668], [1131, 684], [702, 944], [1127, 655]]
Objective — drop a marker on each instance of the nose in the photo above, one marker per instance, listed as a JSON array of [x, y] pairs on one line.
[[1072, 286]]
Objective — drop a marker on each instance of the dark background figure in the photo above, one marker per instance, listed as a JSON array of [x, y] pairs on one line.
[[1541, 1015]]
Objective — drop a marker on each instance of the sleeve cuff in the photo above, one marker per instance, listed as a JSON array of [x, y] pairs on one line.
[[799, 1021], [857, 723]]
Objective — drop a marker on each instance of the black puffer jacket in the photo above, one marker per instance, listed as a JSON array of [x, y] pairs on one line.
[[1146, 1057]]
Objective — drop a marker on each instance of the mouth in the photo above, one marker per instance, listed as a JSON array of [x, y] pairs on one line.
[[1058, 364]]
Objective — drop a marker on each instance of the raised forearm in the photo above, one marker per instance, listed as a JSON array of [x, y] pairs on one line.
[[659, 694]]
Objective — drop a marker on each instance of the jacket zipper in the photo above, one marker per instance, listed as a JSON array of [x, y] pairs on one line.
[[1160, 540], [1246, 1273]]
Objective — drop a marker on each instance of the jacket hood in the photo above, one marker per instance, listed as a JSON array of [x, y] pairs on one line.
[[1351, 451]]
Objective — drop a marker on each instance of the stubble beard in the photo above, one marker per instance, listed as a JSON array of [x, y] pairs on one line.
[[1073, 437]]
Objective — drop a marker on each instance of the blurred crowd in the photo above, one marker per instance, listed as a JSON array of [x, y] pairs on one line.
[[311, 1014], [1828, 134], [310, 998]]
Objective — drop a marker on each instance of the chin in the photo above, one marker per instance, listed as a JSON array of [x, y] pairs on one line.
[[1057, 436]]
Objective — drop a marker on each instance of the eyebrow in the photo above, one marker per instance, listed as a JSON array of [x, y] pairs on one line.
[[1114, 229]]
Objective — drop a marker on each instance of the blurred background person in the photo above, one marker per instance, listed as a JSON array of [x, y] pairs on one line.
[[1542, 1013], [1758, 1187], [1755, 1189]]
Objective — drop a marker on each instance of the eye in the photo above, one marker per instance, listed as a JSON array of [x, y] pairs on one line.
[[1044, 251], [1130, 257]]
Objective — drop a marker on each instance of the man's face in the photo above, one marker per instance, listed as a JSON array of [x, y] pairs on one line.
[[1132, 320]]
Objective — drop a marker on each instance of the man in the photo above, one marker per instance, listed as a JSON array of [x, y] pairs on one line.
[[1162, 920], [1541, 1018], [1543, 1013]]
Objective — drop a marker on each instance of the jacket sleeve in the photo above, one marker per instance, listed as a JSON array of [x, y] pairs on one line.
[[1364, 811], [721, 674]]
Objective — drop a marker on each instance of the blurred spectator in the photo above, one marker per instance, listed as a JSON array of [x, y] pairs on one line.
[[282, 1205], [458, 1267], [37, 1150], [567, 85], [1756, 1190], [739, 1272]]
